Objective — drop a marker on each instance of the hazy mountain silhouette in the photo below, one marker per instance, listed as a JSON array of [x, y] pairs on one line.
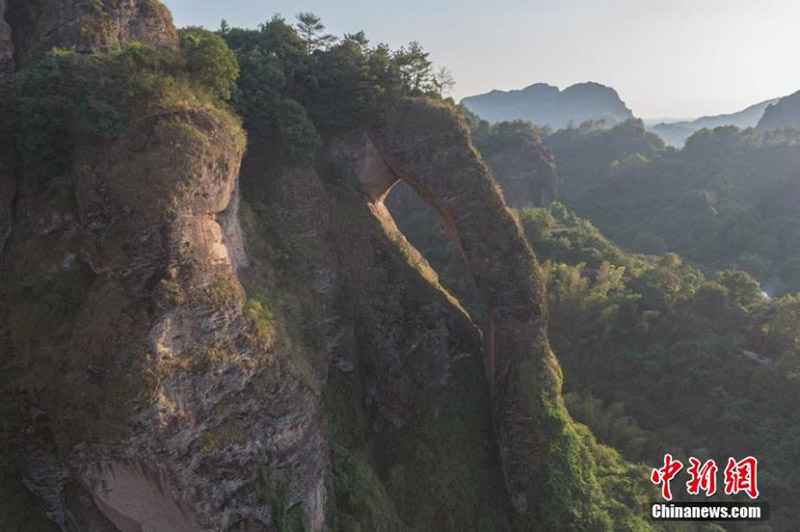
[[546, 105], [782, 114], [676, 133]]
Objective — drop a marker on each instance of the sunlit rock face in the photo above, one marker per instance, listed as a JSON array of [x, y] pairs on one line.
[[86, 25]]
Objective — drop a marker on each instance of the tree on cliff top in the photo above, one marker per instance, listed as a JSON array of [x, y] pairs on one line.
[[310, 27]]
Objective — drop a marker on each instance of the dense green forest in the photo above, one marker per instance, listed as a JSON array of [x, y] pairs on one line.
[[655, 352], [728, 199], [662, 354]]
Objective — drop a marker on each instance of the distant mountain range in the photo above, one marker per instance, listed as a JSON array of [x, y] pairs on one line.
[[546, 105], [782, 113], [676, 133]]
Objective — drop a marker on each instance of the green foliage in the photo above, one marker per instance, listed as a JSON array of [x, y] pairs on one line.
[[654, 355], [298, 85], [310, 27], [727, 200], [68, 96], [274, 490], [490, 138], [210, 61], [415, 68], [358, 500], [653, 359], [586, 155]]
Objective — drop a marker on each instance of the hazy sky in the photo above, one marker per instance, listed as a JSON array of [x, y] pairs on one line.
[[666, 58]]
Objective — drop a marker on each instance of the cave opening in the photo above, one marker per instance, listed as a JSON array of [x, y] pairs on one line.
[[424, 229]]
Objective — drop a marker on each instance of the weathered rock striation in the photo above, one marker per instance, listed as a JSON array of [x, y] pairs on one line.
[[189, 395], [86, 25]]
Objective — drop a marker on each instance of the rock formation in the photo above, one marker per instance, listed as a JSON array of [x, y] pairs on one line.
[[124, 328], [172, 362], [459, 188], [86, 25]]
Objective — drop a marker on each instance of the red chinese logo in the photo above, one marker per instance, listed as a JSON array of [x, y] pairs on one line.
[[665, 475], [742, 476], [702, 477], [739, 476]]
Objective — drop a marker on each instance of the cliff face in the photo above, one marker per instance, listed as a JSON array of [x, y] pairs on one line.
[[172, 362], [140, 391], [459, 188], [156, 387], [398, 359], [86, 25]]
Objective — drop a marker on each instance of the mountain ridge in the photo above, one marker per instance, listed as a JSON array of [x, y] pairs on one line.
[[547, 105], [676, 133]]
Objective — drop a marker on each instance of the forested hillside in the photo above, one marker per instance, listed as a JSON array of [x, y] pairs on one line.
[[727, 200], [660, 354]]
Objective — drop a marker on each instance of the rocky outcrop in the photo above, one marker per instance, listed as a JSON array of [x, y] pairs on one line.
[[140, 391], [427, 147], [401, 357], [86, 25], [191, 398], [526, 173]]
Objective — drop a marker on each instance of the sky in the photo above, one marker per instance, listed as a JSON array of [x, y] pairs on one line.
[[666, 58]]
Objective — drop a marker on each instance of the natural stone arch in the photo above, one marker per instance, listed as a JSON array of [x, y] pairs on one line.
[[428, 146]]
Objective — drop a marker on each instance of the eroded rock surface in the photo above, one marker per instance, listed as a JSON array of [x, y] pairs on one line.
[[427, 146], [86, 25], [158, 322]]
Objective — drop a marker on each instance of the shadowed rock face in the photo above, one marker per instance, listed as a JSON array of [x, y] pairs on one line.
[[404, 354], [86, 25], [526, 173], [428, 147]]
